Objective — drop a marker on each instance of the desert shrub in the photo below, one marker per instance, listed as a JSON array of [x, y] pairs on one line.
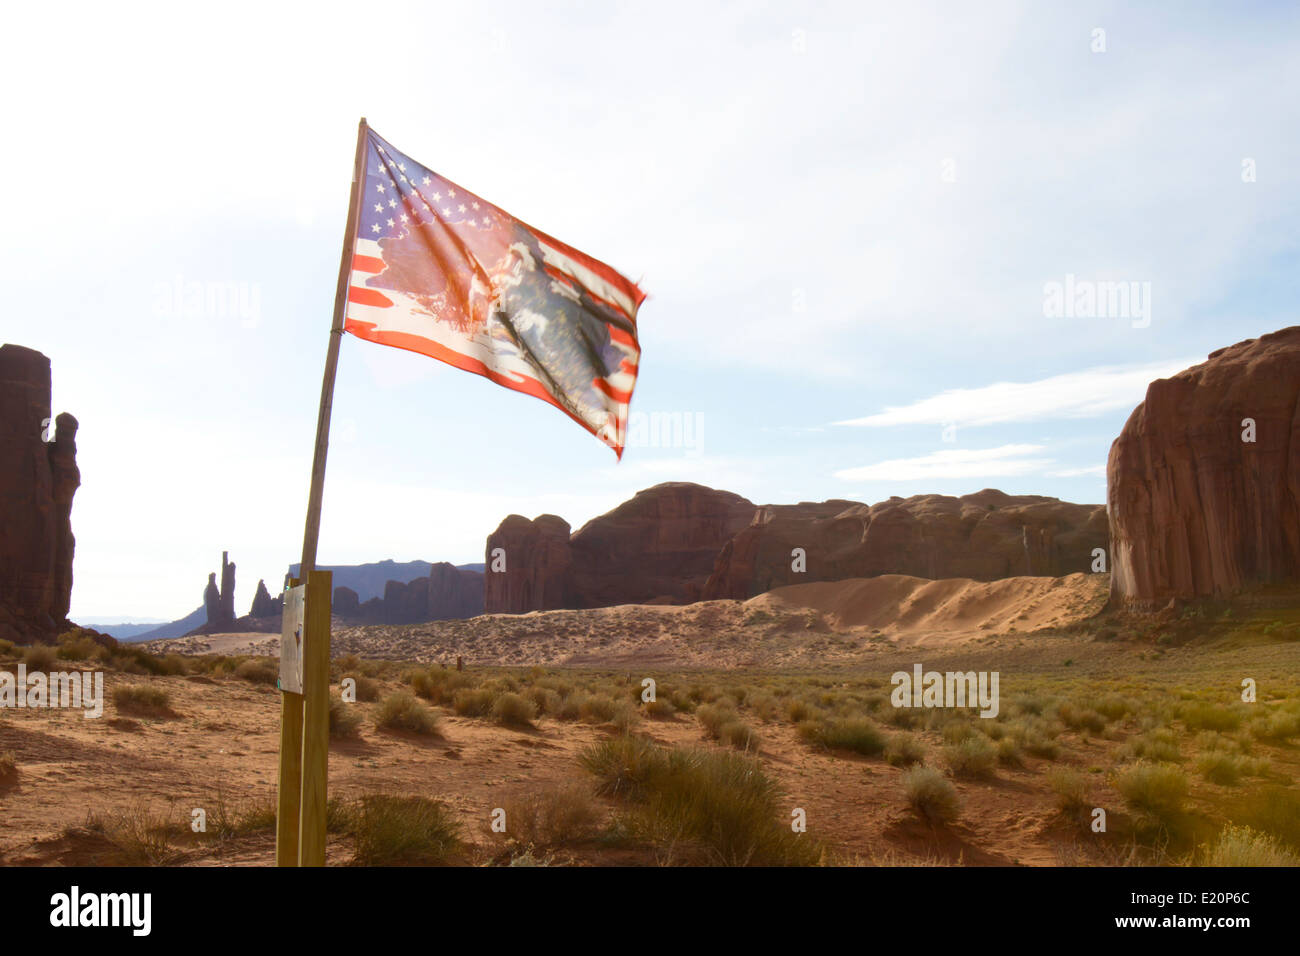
[[1155, 789], [39, 657], [1114, 707], [440, 685], [682, 702], [719, 807], [136, 835], [624, 766], [1273, 810], [6, 646], [1071, 788], [993, 729], [659, 708], [799, 710], [904, 749], [1276, 727], [344, 720], [765, 706], [1083, 719], [512, 710], [550, 816], [402, 711], [395, 830], [1213, 740], [142, 700], [473, 701], [367, 687], [738, 734], [626, 714], [545, 700], [955, 731], [75, 646], [931, 794], [1242, 846], [712, 717], [1222, 768], [973, 757], [857, 734], [570, 707], [258, 672], [8, 768], [1199, 715], [1159, 745], [598, 708], [1009, 752]]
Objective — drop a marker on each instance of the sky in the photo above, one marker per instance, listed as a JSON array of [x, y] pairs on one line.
[[857, 224]]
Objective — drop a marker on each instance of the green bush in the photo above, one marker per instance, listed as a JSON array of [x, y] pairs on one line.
[[719, 807], [931, 794], [512, 710], [1157, 789], [473, 702], [402, 711], [857, 734], [392, 830], [624, 766], [344, 720], [142, 700], [973, 757], [904, 749], [1242, 846]]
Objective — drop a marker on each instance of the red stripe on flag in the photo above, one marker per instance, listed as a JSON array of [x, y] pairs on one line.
[[619, 337], [371, 264], [611, 391], [368, 297]]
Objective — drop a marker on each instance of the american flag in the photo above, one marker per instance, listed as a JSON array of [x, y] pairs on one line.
[[441, 271]]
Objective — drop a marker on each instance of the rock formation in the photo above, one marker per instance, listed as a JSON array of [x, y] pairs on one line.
[[657, 548], [678, 542], [446, 593], [984, 536], [264, 605], [220, 602], [1196, 508], [536, 556], [38, 478]]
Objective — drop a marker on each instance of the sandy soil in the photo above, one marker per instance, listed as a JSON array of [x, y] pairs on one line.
[[222, 742]]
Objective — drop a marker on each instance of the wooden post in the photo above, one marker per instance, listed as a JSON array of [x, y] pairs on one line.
[[316, 719], [304, 718], [312, 532], [289, 793]]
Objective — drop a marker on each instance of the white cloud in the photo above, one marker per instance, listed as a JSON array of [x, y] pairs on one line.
[[1098, 470], [1001, 462], [1086, 394]]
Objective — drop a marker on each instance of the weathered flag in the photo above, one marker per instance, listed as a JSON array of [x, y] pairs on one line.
[[440, 271]]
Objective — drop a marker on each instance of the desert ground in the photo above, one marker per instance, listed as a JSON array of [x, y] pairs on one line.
[[762, 709]]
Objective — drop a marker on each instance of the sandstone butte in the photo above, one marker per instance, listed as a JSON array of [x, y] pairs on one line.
[[1196, 510], [38, 478], [679, 542]]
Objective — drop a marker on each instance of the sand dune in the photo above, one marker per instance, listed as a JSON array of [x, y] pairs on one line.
[[930, 611]]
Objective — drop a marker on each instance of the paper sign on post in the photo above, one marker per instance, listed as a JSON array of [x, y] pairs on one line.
[[292, 634]]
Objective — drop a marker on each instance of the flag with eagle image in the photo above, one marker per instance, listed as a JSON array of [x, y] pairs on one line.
[[440, 271]]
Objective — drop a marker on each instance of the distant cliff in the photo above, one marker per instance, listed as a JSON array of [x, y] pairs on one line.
[[38, 478]]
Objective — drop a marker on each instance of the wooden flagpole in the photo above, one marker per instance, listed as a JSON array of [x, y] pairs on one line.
[[304, 718]]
